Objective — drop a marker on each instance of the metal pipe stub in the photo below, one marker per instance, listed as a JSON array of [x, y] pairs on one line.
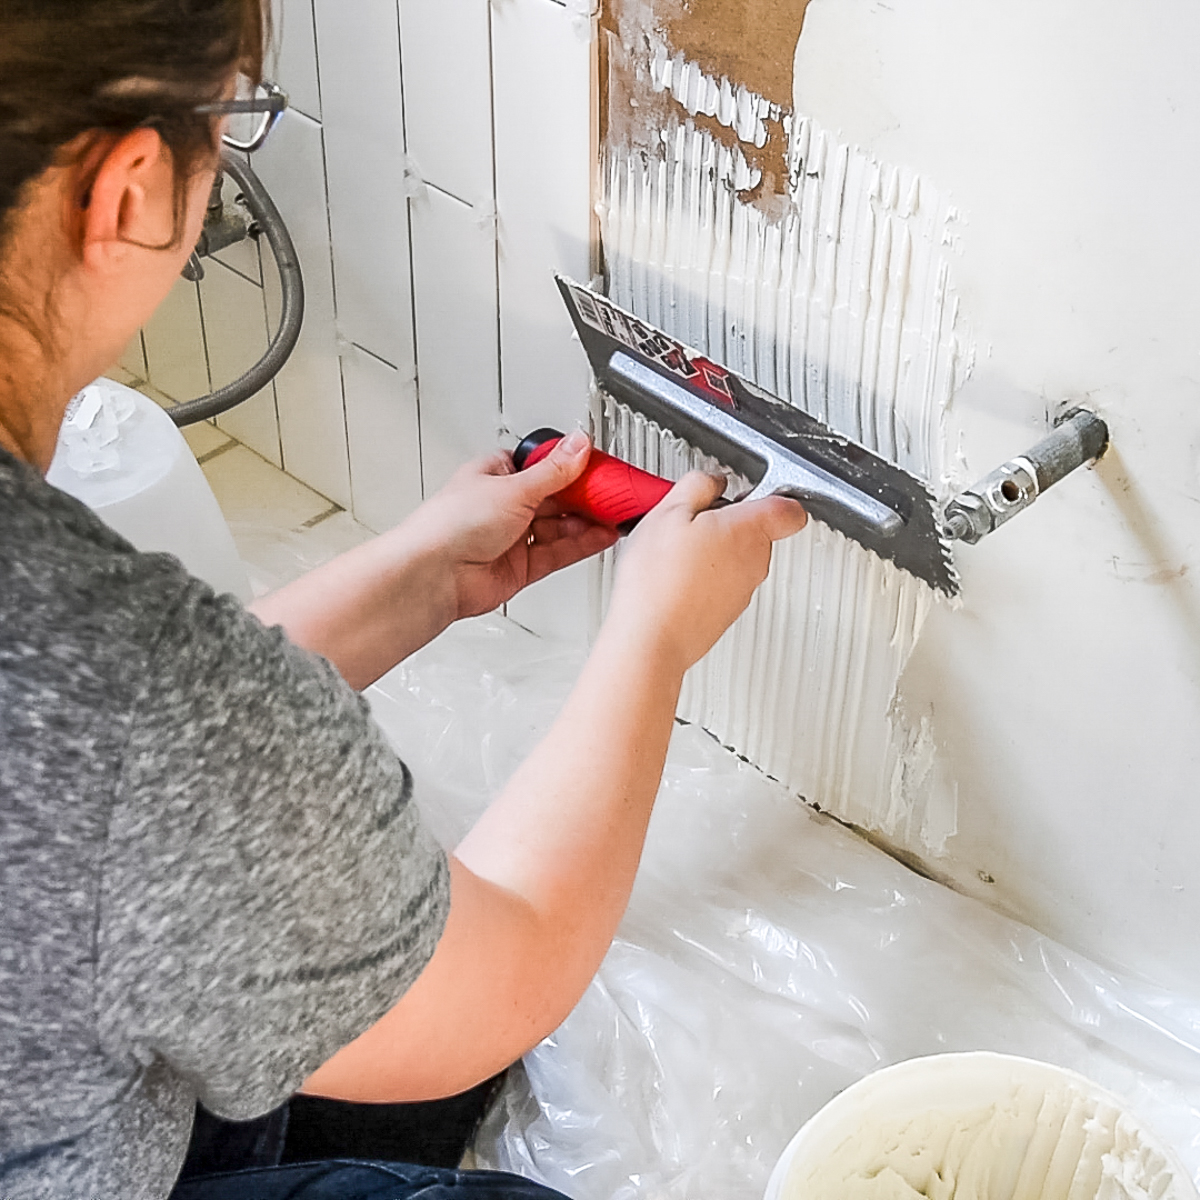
[[1079, 437]]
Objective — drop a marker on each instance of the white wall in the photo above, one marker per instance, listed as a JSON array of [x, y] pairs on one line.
[[412, 170], [437, 164], [1002, 198], [1064, 695]]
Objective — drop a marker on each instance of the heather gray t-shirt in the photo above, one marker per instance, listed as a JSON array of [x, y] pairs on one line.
[[211, 872]]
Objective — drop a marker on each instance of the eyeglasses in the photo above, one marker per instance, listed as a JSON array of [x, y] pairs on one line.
[[253, 112]]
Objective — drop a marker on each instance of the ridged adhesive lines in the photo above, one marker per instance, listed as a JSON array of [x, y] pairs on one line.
[[842, 304]]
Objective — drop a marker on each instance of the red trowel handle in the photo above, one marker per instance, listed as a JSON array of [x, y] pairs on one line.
[[609, 491]]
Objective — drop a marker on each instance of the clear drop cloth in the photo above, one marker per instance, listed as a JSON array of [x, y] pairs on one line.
[[769, 958]]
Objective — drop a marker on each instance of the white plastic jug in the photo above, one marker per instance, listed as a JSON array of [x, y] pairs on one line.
[[123, 457]]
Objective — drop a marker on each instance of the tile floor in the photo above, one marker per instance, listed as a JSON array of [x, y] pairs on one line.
[[281, 527]]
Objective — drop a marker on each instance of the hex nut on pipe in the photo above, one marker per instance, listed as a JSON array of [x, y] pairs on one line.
[[1079, 437]]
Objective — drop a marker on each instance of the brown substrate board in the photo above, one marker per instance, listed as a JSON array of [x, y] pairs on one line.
[[749, 42]]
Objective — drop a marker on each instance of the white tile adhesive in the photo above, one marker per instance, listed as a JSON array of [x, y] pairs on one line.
[[1033, 1143], [840, 299], [734, 105]]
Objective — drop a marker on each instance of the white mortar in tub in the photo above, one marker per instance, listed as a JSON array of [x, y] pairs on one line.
[[977, 1126]]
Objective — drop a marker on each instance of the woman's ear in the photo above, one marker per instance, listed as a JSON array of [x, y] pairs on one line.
[[128, 201]]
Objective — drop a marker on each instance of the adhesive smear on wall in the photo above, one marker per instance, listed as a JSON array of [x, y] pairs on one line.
[[838, 297]]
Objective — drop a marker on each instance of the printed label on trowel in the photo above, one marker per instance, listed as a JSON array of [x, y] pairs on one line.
[[778, 447], [653, 343]]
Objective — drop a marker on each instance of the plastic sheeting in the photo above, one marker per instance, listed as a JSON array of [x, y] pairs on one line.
[[769, 958]]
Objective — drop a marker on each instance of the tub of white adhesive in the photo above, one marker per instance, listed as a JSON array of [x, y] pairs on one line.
[[977, 1126]]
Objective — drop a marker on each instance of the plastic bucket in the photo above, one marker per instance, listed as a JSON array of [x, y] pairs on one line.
[[977, 1126]]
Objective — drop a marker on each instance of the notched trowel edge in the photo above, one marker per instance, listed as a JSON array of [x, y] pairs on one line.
[[779, 447]]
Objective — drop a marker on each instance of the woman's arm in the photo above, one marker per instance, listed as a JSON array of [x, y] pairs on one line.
[[541, 882], [465, 551]]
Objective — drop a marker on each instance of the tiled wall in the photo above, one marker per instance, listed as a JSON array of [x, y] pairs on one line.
[[434, 169]]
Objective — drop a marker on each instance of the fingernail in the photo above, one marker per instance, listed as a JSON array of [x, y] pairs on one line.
[[574, 443]]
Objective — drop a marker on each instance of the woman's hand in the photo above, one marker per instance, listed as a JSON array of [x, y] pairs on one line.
[[540, 883], [685, 575], [688, 572], [488, 533], [498, 529]]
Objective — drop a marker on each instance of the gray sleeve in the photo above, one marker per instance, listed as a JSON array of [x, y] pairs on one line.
[[269, 889]]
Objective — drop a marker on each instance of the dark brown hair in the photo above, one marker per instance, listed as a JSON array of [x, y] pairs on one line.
[[68, 67]]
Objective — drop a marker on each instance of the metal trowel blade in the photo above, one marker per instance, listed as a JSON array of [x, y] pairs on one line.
[[779, 447]]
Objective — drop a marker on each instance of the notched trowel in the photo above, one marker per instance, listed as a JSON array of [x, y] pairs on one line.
[[784, 451]]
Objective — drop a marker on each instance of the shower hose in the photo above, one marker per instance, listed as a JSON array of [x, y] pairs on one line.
[[268, 221]]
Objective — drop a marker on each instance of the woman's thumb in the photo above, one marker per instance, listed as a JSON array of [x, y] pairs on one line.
[[560, 468]]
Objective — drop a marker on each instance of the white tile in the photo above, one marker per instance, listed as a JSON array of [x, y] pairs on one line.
[[250, 489], [242, 256], [334, 535], [309, 388], [163, 401], [364, 146], [558, 607], [133, 360], [120, 375], [174, 339], [448, 95], [541, 57], [275, 556], [204, 438], [454, 276], [295, 65], [255, 423], [235, 324], [542, 72], [385, 459]]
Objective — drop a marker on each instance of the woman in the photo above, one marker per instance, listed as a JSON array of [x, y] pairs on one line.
[[214, 885]]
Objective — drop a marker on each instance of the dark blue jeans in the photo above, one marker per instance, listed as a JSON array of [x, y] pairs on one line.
[[361, 1181]]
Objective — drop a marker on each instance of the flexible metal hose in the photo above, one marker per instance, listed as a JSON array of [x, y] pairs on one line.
[[291, 280]]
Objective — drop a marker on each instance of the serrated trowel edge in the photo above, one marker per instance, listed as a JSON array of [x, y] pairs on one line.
[[645, 368]]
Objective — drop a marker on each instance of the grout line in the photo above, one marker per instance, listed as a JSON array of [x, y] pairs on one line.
[[377, 357], [149, 383], [412, 282], [496, 210], [341, 370], [278, 424], [266, 313], [212, 258], [595, 137], [233, 442], [509, 617], [219, 450], [331, 511], [204, 336], [316, 44], [333, 265], [333, 284], [433, 187]]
